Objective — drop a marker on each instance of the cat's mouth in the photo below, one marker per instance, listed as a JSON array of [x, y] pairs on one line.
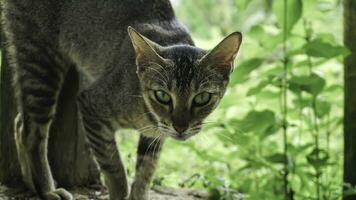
[[183, 136]]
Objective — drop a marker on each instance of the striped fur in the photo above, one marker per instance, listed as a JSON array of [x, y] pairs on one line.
[[147, 159], [46, 37]]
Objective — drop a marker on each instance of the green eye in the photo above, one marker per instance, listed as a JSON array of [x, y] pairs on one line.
[[162, 97], [202, 99]]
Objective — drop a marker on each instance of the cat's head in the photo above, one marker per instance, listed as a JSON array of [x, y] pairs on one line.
[[183, 84]]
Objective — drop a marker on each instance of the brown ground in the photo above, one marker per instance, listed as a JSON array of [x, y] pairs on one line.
[[157, 193]]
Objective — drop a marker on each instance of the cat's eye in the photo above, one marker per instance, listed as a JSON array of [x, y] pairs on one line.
[[162, 97], [202, 99]]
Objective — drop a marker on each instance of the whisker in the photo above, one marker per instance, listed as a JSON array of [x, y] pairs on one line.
[[154, 148], [205, 122], [226, 137], [195, 129], [148, 130], [205, 137], [143, 114], [158, 142], [159, 73], [161, 80], [149, 146], [205, 78], [207, 82], [165, 72], [145, 127]]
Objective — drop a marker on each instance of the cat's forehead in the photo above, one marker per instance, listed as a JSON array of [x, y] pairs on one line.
[[183, 54], [184, 64]]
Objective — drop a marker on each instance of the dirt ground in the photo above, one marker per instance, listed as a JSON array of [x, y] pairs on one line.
[[157, 193]]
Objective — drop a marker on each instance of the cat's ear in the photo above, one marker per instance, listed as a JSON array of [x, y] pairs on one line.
[[144, 49], [222, 57]]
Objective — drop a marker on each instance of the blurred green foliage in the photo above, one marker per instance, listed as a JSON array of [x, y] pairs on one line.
[[241, 153]]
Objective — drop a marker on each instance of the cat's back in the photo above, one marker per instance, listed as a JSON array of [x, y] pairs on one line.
[[54, 16], [118, 11], [94, 32], [102, 18], [37, 17]]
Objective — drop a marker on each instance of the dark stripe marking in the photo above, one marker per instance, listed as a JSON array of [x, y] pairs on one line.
[[146, 146], [39, 92], [43, 120]]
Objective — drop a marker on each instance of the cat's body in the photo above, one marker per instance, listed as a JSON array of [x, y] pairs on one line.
[[46, 37]]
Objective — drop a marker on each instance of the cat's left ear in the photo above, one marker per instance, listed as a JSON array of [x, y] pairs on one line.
[[222, 57], [145, 49]]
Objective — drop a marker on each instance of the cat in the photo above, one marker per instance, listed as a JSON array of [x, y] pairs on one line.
[[143, 70]]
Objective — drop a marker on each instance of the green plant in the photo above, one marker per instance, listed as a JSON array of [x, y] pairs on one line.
[[278, 132]]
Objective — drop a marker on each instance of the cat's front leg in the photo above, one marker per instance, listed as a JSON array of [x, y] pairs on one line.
[[147, 159], [109, 160], [101, 138]]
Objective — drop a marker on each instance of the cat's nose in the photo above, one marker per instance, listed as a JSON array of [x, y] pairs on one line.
[[180, 129]]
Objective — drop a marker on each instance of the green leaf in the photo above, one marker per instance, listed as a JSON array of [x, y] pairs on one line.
[[318, 158], [322, 108], [258, 88], [295, 150], [294, 12], [257, 32], [242, 4], [267, 94], [304, 102], [263, 123], [214, 193], [266, 39], [335, 88], [322, 49], [327, 37], [312, 84], [277, 158], [349, 190], [242, 72]]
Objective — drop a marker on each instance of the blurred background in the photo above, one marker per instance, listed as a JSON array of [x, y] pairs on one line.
[[278, 133], [285, 100]]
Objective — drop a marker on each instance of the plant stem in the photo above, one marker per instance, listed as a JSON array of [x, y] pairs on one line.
[[316, 135], [284, 101], [315, 117]]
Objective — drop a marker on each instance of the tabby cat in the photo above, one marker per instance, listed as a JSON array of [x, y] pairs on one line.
[[144, 73]]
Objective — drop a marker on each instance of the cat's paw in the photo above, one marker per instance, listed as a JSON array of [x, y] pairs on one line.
[[58, 194], [119, 197], [139, 196]]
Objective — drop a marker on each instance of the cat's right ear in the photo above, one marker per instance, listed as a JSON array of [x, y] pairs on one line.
[[146, 54], [222, 57]]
